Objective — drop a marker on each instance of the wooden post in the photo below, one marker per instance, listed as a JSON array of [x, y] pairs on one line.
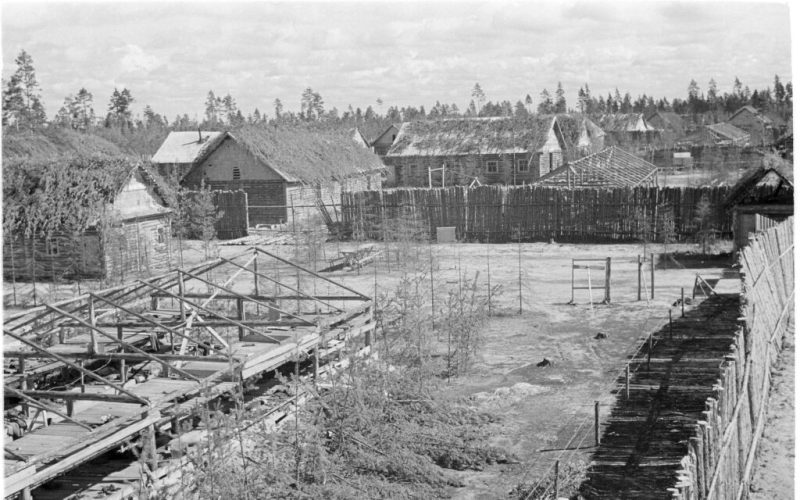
[[628, 381], [83, 379], [597, 423], [21, 365], [93, 322], [26, 493], [123, 376], [255, 283], [316, 363], [25, 386], [153, 303], [652, 276], [683, 312], [639, 277], [240, 316], [151, 443], [555, 482], [608, 280], [670, 324], [174, 426], [70, 407], [649, 349]]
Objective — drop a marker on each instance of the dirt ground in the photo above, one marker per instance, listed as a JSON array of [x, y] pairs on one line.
[[774, 465], [541, 408]]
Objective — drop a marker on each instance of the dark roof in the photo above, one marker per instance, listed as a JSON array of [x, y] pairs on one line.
[[56, 142], [300, 154], [385, 131], [729, 132], [671, 119], [611, 167], [769, 183]]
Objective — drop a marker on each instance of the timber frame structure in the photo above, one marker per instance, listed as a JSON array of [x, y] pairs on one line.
[[104, 368]]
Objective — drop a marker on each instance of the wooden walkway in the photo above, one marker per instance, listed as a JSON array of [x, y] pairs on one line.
[[647, 434]]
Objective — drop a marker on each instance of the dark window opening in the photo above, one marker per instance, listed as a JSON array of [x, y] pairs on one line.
[[52, 246], [237, 174]]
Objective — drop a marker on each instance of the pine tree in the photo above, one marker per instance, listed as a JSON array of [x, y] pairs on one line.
[[278, 108], [561, 101], [22, 106], [528, 102], [545, 103], [212, 113], [478, 95]]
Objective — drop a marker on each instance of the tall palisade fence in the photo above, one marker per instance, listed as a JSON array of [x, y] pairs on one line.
[[535, 213], [721, 456]]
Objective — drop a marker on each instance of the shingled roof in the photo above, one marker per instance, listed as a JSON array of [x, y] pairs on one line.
[[187, 147], [769, 183], [466, 136], [611, 167]]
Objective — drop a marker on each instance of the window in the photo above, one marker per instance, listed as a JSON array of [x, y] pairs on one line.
[[161, 236], [237, 174], [491, 167], [522, 165], [52, 246]]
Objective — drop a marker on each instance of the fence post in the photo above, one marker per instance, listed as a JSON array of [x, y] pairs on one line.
[[683, 312], [639, 277], [608, 280], [555, 485], [628, 381], [597, 423], [652, 276], [670, 323]]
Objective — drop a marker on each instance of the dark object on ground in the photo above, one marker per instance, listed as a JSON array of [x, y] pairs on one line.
[[544, 362], [686, 300], [601, 335]]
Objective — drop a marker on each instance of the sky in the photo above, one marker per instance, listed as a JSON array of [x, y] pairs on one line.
[[169, 55]]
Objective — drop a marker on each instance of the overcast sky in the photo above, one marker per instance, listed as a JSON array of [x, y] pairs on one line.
[[170, 55]]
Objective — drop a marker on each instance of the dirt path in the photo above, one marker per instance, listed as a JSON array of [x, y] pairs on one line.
[[774, 467]]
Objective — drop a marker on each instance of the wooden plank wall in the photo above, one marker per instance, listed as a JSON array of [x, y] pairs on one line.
[[720, 462], [536, 213], [233, 207]]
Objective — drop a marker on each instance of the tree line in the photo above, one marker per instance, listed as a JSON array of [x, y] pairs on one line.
[[23, 109]]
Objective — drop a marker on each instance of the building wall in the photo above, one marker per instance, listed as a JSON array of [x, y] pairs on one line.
[[383, 143], [135, 248], [220, 165], [140, 247], [759, 134], [413, 170], [266, 199]]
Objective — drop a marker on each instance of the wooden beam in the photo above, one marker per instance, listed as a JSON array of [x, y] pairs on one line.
[[80, 396], [249, 299], [157, 324], [299, 292], [281, 259], [77, 367], [126, 344], [125, 356], [39, 404], [240, 324]]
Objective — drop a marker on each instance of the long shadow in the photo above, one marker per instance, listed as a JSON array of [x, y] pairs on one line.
[[647, 433]]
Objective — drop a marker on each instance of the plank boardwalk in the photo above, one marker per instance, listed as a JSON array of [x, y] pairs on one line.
[[647, 435]]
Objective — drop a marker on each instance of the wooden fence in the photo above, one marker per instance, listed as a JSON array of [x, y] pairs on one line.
[[721, 455], [531, 213], [232, 205]]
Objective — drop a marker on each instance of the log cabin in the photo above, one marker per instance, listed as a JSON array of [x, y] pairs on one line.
[[761, 199], [764, 128], [286, 172], [488, 150], [130, 234]]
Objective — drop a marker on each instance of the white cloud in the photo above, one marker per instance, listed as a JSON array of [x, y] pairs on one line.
[[136, 60]]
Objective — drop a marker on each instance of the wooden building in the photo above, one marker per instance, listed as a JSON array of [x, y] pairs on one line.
[[611, 167], [726, 134], [383, 142], [631, 131], [132, 236], [762, 198], [671, 126], [764, 128], [284, 171], [497, 150]]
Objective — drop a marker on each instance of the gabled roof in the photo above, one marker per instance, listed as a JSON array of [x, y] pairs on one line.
[[768, 183], [729, 132], [767, 118], [465, 136], [359, 139], [611, 167], [625, 122], [385, 131], [670, 118], [299, 154], [187, 147]]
